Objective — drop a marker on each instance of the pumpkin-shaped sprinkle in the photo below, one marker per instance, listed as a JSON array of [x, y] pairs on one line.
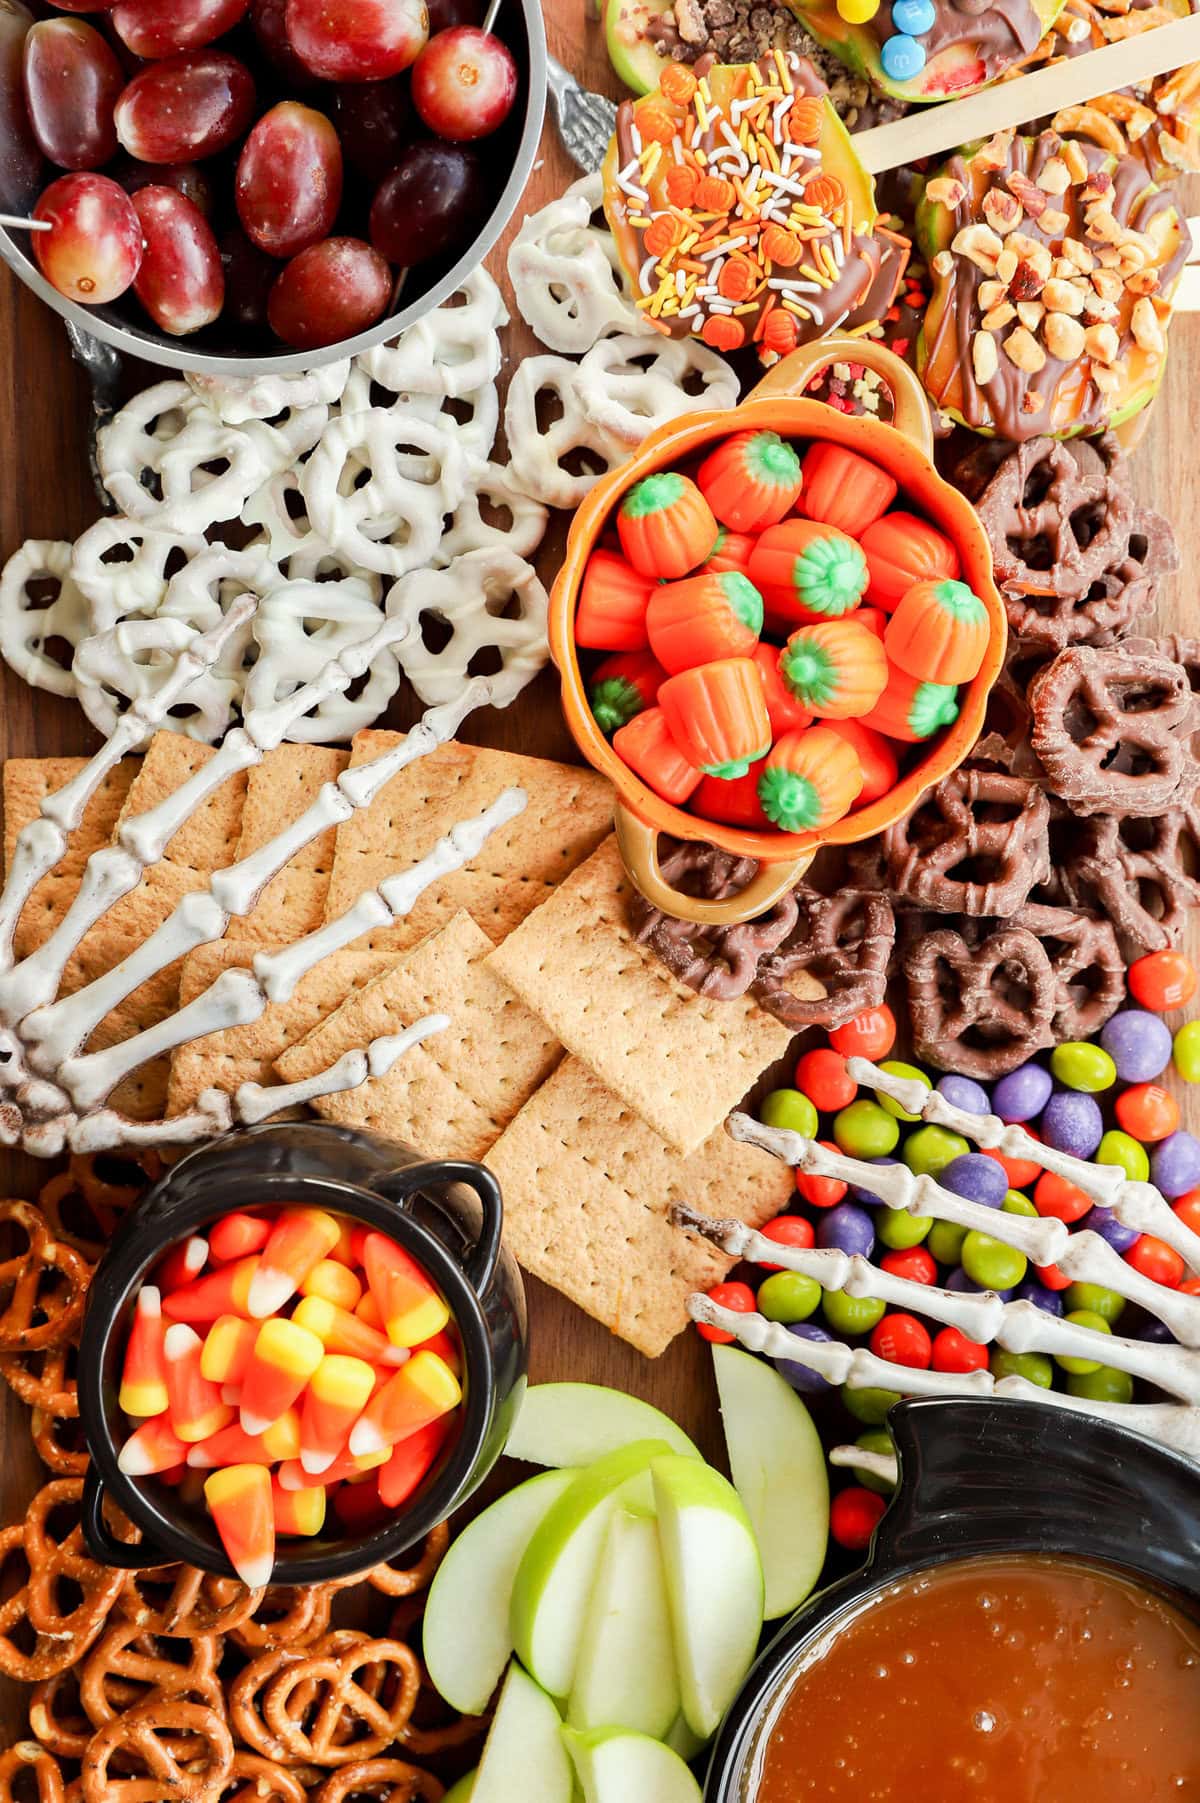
[[702, 618], [807, 571], [939, 631], [751, 480], [665, 525], [837, 668], [809, 780]]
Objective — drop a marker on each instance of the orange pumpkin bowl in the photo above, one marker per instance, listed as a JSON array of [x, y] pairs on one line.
[[905, 450]]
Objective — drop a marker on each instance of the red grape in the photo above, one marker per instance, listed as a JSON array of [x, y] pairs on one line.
[[332, 290], [249, 277], [188, 178], [357, 40], [72, 80], [433, 196], [289, 179], [85, 6], [151, 28], [374, 121], [181, 282], [464, 83], [20, 158], [445, 13], [270, 28], [185, 107], [94, 249]]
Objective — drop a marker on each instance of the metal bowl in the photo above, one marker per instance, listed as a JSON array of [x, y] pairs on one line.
[[212, 353]]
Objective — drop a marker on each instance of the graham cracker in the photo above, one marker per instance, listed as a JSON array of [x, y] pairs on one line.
[[454, 1094], [680, 1060], [569, 812], [247, 1054], [277, 792], [27, 782], [587, 1187]]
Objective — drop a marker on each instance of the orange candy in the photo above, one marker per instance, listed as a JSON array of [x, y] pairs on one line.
[[300, 1238], [181, 1264], [144, 1374], [337, 1393], [662, 234], [780, 246], [722, 333], [751, 480], [732, 552], [333, 1282], [717, 715], [1147, 1112], [809, 780], [194, 1405], [939, 631], [655, 123], [225, 1291], [646, 745], [240, 1502], [237, 1236], [682, 182], [411, 1461], [410, 1307], [154, 1448], [714, 194], [783, 710], [702, 618], [666, 529], [677, 83], [912, 710], [1162, 981], [341, 1331], [778, 332], [836, 668], [234, 1446], [611, 615], [901, 549], [419, 1393], [734, 802], [876, 757], [227, 1348], [843, 489], [299, 1512], [1053, 1195], [824, 191], [871, 1034], [804, 120], [285, 1357]]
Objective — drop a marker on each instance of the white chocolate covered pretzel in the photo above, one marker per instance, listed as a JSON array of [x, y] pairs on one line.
[[629, 385], [474, 598], [538, 452], [379, 486], [298, 628], [566, 275], [123, 566], [453, 350], [494, 515], [39, 603], [236, 399]]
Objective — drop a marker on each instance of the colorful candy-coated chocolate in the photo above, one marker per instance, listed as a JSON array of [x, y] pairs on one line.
[[1162, 980], [410, 1306], [284, 1358], [153, 1448], [702, 618], [751, 480], [1023, 1093], [822, 1076], [964, 1092], [1139, 1044], [1055, 1196], [240, 1502], [234, 1446], [846, 1228], [930, 1149], [1072, 1122], [1083, 1066], [300, 1238], [865, 1130], [228, 1345], [806, 571], [1185, 1051], [341, 1331], [992, 1263], [897, 1068], [622, 686], [822, 1192], [901, 1231], [1148, 1112], [939, 631], [337, 1392], [902, 57], [419, 1393], [194, 1405], [611, 615], [739, 1298], [411, 1461], [1175, 1164], [1082, 1317], [143, 1389], [952, 1351], [665, 525], [912, 710], [915, 1263], [717, 715], [809, 780], [869, 1404], [788, 1296], [1157, 1261], [876, 758], [803, 1380], [902, 1340], [333, 1282], [785, 713], [851, 1314], [871, 1034], [648, 747], [843, 489], [237, 1235], [788, 1230], [732, 800], [837, 669], [223, 1291], [901, 549], [975, 1178]]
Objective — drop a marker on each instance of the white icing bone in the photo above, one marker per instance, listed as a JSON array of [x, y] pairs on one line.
[[474, 598], [298, 628], [29, 623], [538, 452], [379, 485], [629, 386], [133, 661], [255, 1102]]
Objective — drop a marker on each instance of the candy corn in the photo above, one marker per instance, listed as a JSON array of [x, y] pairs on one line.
[[368, 1310], [344, 1250], [447, 1348], [234, 1446], [411, 1461], [227, 1348], [153, 1448], [144, 1376], [340, 1331], [237, 1235], [410, 1307], [345, 1469], [420, 1391], [194, 1405], [181, 1264], [240, 1501], [300, 1239], [359, 1507], [336, 1395], [224, 1291], [284, 1358], [333, 1282], [298, 1511]]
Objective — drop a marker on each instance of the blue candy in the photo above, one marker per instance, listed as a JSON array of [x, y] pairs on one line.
[[1046, 1299], [902, 58], [913, 16], [1138, 1043], [1175, 1164], [1104, 1222], [1072, 1122], [975, 1178]]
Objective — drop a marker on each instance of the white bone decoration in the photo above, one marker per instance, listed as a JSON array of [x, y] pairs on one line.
[[52, 1090], [985, 1318]]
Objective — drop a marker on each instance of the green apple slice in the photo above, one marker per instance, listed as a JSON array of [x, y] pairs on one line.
[[466, 1637], [464, 1790], [625, 1676], [558, 1568], [616, 1767], [681, 1740], [524, 1759], [631, 50], [573, 1424], [779, 1472], [714, 1585]]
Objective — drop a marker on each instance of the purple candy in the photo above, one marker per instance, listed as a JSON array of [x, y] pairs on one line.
[[1072, 1122], [1175, 1164], [809, 1383], [1138, 1043], [975, 1178], [1041, 1297], [1023, 1093], [1104, 1222], [958, 1280], [964, 1092], [866, 1196], [846, 1228], [1150, 1328]]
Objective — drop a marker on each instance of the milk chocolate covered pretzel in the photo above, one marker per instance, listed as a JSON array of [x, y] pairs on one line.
[[981, 1002], [1112, 727]]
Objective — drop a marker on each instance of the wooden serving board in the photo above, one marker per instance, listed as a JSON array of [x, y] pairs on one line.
[[46, 492]]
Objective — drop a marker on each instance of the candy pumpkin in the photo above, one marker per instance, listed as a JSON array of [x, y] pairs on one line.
[[623, 686], [843, 489], [939, 631], [717, 715], [901, 549], [666, 527], [785, 712], [751, 480], [703, 618], [732, 800], [876, 756], [836, 669], [809, 780], [646, 745], [912, 710], [873, 618], [806, 571], [732, 552], [611, 615]]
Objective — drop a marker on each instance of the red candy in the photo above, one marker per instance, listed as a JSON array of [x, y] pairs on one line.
[[914, 1263], [788, 1230], [1052, 1277], [738, 1297], [1157, 1261], [822, 1076], [871, 1034], [1162, 980], [1147, 1111], [902, 1340], [822, 1192], [952, 1351], [853, 1517], [1053, 1195], [1021, 1172]]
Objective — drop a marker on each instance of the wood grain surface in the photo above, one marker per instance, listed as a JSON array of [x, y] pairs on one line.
[[45, 492]]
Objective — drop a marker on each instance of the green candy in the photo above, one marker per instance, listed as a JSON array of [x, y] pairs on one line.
[[1186, 1052], [788, 1108], [1034, 1367], [1105, 1384], [899, 1230], [869, 1405], [1077, 1367], [788, 1296], [865, 1130], [1126, 1152], [852, 1314], [830, 576], [1082, 1066], [1092, 1298], [875, 1440], [945, 1241], [990, 1262], [895, 1069], [1015, 1203], [930, 1149]]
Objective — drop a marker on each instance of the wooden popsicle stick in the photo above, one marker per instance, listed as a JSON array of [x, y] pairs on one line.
[[934, 130], [1187, 294]]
